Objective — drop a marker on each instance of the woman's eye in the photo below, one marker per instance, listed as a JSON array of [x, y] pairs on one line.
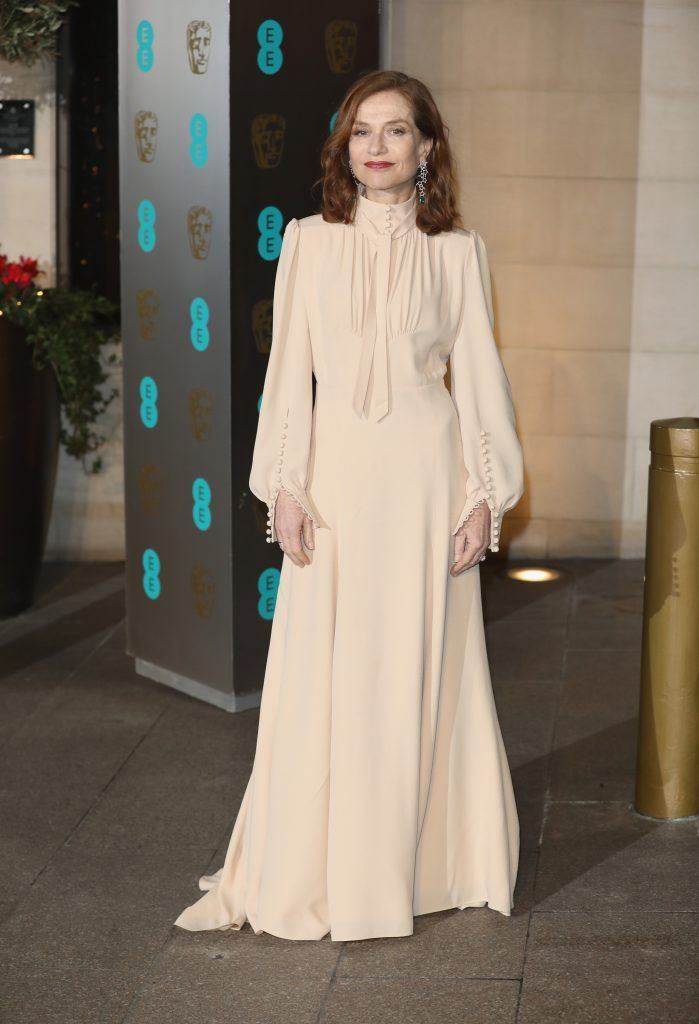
[[358, 131], [399, 131]]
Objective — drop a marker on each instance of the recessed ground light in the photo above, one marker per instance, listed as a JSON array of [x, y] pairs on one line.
[[532, 574]]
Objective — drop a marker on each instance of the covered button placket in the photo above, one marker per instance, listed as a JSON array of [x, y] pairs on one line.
[[271, 532], [490, 488]]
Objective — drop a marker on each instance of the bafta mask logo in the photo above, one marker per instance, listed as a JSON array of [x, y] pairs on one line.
[[146, 131], [199, 224], [201, 410], [198, 46], [203, 591], [147, 309], [341, 45], [268, 140], [150, 485], [262, 325]]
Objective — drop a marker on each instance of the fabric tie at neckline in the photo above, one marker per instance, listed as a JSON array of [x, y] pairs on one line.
[[381, 222]]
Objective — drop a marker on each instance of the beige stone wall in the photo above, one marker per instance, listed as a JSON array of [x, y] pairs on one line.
[[27, 187], [87, 521], [575, 126]]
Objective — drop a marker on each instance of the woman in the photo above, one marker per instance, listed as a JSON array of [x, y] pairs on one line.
[[380, 787]]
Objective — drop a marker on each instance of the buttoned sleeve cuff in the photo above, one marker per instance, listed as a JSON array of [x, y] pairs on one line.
[[303, 501], [481, 490]]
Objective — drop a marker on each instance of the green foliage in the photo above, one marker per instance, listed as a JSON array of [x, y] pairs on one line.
[[67, 329], [28, 29]]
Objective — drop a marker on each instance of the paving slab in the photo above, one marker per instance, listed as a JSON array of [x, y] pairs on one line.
[[611, 967], [517, 659], [591, 763], [598, 623], [602, 856], [31, 639], [619, 579], [420, 1001], [601, 686], [236, 977]]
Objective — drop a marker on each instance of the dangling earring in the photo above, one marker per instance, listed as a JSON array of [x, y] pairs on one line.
[[422, 180], [360, 187]]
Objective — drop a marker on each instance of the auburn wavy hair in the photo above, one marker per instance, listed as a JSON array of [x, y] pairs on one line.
[[339, 190]]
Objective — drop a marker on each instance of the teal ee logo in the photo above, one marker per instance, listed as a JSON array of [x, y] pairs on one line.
[[269, 224], [201, 509], [146, 225], [144, 38], [199, 331], [151, 573], [333, 119], [148, 391], [267, 586], [198, 131], [269, 55]]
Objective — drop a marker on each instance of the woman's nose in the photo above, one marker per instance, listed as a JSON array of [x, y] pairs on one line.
[[377, 144]]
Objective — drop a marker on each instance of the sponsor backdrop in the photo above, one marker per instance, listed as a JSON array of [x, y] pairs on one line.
[[222, 116]]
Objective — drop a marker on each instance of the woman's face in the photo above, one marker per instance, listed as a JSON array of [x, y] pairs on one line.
[[386, 146]]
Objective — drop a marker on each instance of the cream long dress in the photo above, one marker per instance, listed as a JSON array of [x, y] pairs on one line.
[[380, 787]]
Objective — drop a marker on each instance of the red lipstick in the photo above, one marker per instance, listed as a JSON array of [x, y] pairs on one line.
[[377, 165]]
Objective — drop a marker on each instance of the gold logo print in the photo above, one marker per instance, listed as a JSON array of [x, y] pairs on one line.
[[145, 125], [203, 591], [147, 309], [201, 410], [267, 132], [198, 46], [341, 45], [262, 325], [150, 484], [199, 224]]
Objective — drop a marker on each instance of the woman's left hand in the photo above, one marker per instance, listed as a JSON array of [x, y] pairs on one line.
[[471, 540]]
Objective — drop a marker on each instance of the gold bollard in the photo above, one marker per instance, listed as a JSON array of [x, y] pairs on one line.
[[667, 762]]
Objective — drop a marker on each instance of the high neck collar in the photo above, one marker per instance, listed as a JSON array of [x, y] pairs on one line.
[[392, 219]]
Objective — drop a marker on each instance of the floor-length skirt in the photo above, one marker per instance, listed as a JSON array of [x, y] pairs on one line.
[[380, 787]]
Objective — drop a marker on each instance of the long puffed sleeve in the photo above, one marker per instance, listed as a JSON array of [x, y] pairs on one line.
[[282, 443], [482, 395]]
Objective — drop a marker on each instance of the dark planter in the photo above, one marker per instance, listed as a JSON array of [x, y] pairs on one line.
[[30, 417]]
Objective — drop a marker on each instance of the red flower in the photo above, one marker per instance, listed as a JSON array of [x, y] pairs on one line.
[[30, 267], [15, 275], [21, 273]]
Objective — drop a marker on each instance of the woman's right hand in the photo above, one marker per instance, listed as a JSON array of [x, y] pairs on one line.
[[471, 541], [293, 528]]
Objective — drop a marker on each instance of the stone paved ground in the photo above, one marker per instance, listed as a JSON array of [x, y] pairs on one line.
[[116, 794]]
